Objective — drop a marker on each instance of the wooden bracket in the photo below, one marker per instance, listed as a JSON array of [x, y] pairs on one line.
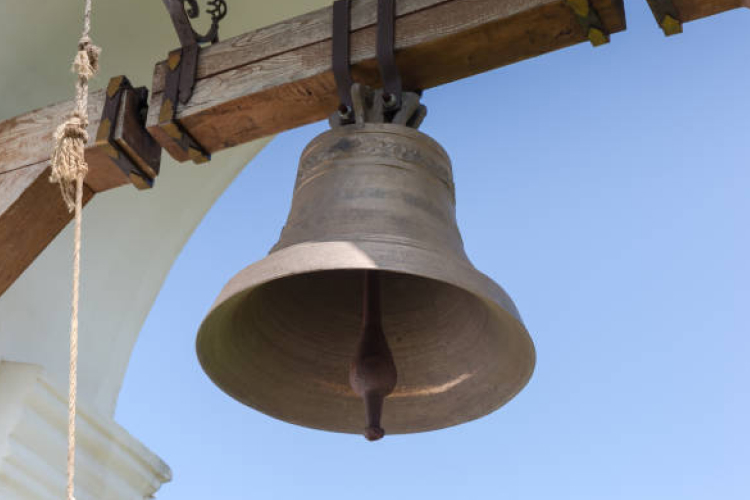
[[667, 15], [123, 151], [178, 88], [590, 21]]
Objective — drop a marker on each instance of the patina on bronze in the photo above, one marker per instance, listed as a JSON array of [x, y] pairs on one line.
[[281, 335]]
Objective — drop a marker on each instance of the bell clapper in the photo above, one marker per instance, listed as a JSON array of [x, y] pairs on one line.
[[372, 374]]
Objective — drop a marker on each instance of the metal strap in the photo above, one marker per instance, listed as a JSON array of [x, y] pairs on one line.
[[386, 53], [341, 63]]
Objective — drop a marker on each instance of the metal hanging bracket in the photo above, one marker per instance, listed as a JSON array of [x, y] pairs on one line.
[[667, 15], [370, 106], [360, 103], [182, 65], [590, 21]]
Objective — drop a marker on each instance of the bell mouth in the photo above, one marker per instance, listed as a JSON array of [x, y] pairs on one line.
[[283, 333]]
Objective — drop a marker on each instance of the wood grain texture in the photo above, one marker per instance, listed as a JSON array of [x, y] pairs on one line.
[[286, 36], [32, 213], [691, 10], [279, 77], [27, 139]]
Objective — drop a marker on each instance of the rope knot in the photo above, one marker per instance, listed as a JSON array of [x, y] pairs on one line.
[[68, 157], [86, 62], [73, 128]]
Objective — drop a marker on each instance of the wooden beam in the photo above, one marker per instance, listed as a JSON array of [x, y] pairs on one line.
[[32, 213], [692, 10], [672, 14], [279, 77], [27, 139]]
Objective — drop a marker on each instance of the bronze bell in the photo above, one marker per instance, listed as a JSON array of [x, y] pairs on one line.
[[373, 211]]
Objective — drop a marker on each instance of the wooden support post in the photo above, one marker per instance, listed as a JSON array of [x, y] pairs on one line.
[[672, 14], [32, 212], [280, 77]]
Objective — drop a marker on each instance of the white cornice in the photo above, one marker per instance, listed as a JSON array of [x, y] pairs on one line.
[[110, 463]]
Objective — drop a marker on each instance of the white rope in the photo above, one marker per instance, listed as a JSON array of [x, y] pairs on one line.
[[69, 169]]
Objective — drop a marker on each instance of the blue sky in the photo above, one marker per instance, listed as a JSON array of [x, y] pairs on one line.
[[608, 191]]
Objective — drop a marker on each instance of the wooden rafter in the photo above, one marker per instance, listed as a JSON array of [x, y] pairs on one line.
[[692, 10], [27, 139], [280, 77], [671, 14], [32, 213]]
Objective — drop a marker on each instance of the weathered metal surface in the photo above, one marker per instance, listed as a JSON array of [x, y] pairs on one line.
[[370, 106], [282, 333]]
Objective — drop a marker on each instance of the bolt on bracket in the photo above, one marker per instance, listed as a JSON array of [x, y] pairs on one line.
[[590, 22]]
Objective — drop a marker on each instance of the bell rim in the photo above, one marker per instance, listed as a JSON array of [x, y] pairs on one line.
[[313, 257]]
